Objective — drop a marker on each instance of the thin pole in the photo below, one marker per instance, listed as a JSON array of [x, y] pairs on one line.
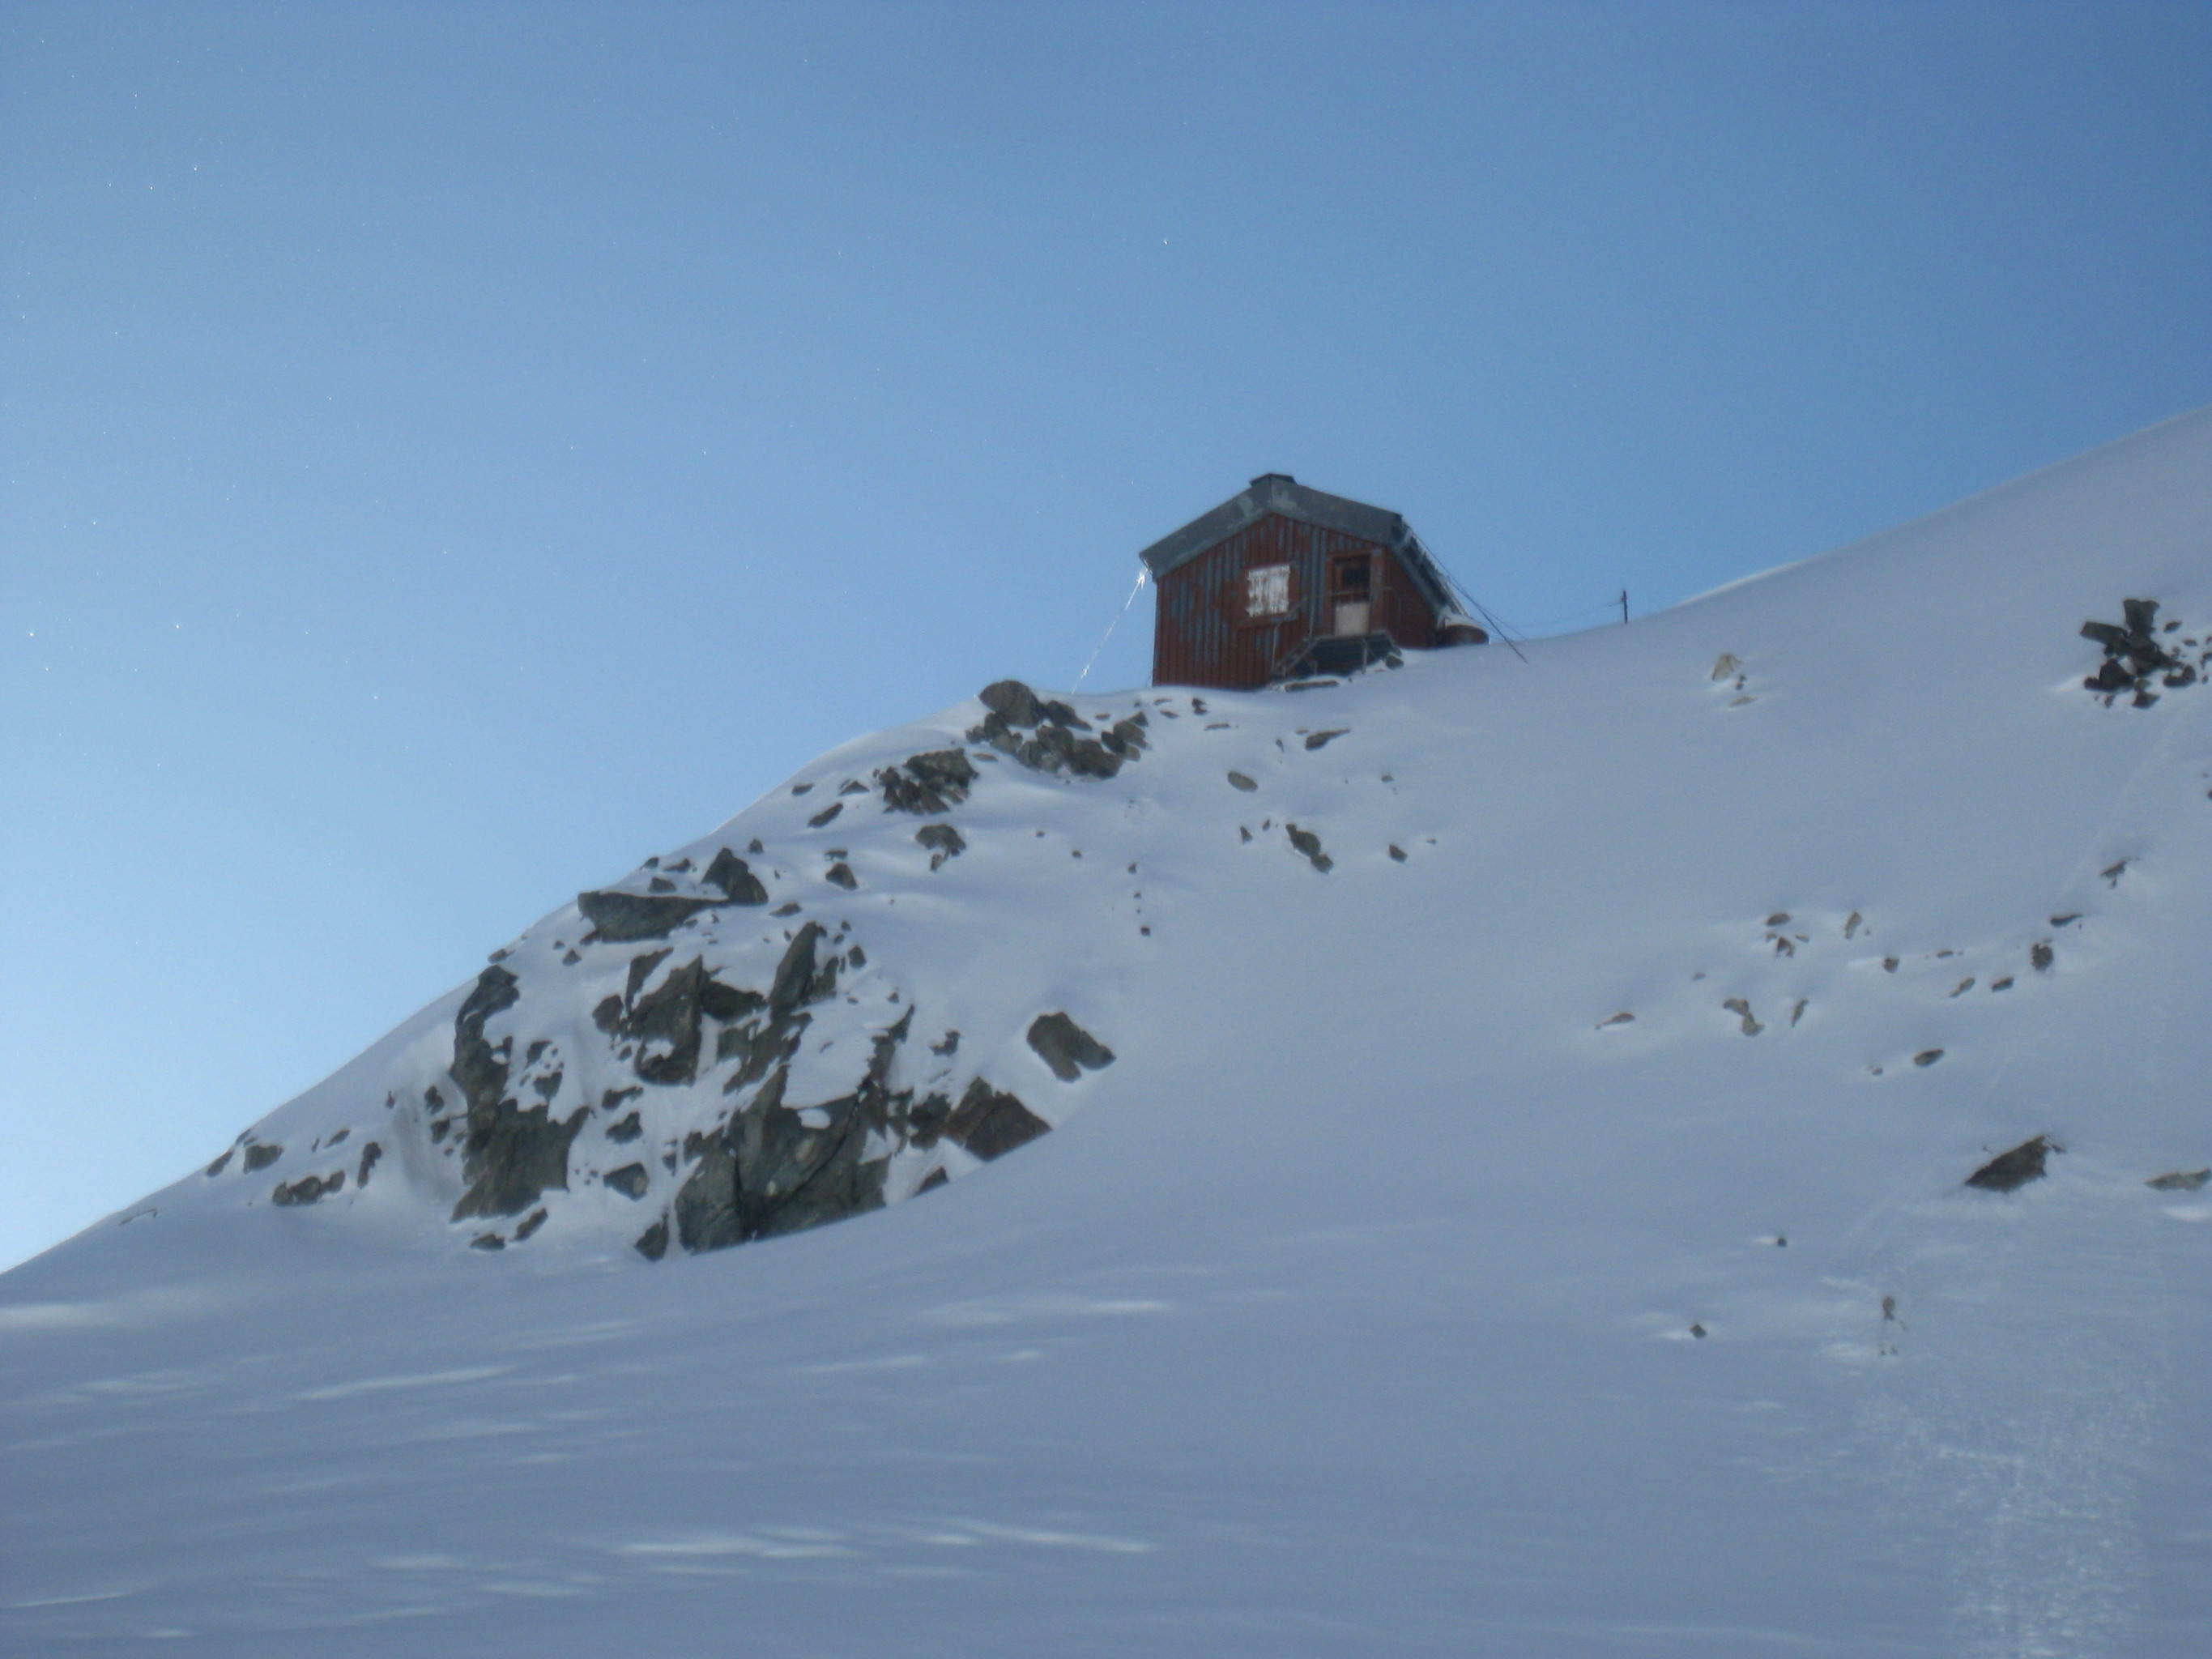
[[1624, 607]]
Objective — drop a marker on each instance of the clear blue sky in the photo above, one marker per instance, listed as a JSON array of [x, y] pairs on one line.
[[453, 452]]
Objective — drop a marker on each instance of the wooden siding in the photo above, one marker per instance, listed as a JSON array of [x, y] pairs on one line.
[[1201, 638]]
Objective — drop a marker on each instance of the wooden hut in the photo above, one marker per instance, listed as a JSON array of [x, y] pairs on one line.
[[1282, 582]]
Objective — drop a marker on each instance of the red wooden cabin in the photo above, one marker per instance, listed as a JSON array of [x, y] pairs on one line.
[[1283, 581]]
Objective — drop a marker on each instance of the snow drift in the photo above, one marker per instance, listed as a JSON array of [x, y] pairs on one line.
[[1686, 1144]]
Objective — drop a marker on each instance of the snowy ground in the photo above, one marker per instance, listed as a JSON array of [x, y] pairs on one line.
[[1355, 1308]]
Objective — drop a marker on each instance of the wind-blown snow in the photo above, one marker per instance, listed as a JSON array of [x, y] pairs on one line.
[[1387, 1293]]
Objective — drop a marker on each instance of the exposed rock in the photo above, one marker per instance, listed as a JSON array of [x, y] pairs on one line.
[[531, 1224], [1740, 1006], [769, 1171], [1927, 1057], [1239, 781], [2180, 1181], [488, 1242], [2134, 656], [929, 783], [652, 1242], [1067, 1047], [216, 1167], [2041, 955], [840, 875], [627, 1130], [307, 1190], [261, 1154], [658, 884], [1320, 739], [1397, 853], [1624, 1017], [631, 1180], [1011, 702], [932, 1181], [510, 1155], [825, 815], [942, 841], [619, 918], [731, 873], [369, 1154], [1125, 737], [665, 1025], [1307, 846], [1053, 745], [2008, 1171], [989, 1122]]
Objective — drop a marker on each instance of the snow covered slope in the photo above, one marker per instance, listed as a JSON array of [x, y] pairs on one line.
[[1377, 1286]]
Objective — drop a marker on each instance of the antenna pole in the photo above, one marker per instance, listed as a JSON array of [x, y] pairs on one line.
[[1624, 607]]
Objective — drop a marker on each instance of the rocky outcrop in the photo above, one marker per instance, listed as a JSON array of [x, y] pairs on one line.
[[731, 874], [2139, 651], [622, 918], [307, 1190], [926, 784], [1052, 744], [511, 1154], [716, 1124], [989, 1122], [942, 841]]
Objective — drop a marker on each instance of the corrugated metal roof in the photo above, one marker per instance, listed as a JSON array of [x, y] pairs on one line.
[[1278, 492]]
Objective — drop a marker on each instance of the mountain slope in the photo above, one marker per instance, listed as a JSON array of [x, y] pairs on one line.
[[1384, 1291]]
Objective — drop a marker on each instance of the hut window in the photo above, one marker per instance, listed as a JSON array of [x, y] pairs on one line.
[[1267, 591]]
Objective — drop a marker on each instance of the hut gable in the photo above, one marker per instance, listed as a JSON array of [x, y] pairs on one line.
[[1282, 578]]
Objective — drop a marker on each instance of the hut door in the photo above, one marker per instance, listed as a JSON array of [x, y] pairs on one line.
[[1350, 595]]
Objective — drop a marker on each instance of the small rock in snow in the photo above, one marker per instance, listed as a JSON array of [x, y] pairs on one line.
[[2009, 1171], [631, 1180], [1307, 845], [1067, 1047], [2180, 1181]]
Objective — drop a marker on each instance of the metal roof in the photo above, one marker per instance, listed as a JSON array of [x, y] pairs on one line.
[[1278, 492]]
